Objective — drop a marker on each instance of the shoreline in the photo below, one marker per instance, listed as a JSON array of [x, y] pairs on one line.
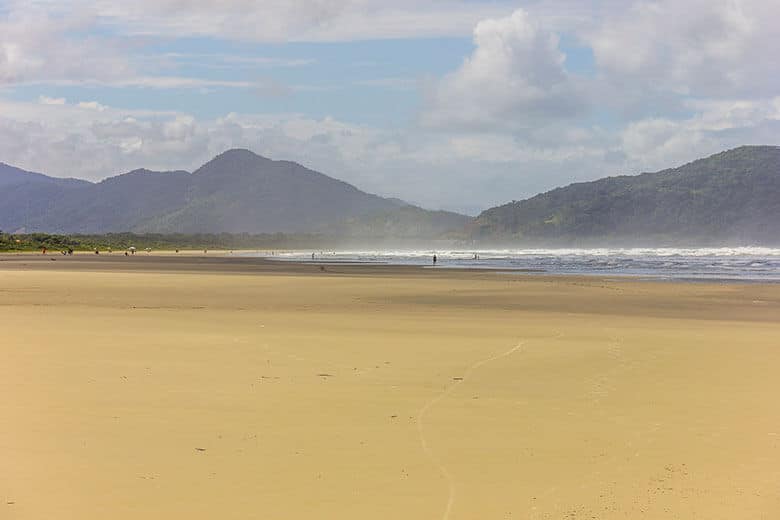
[[700, 299], [239, 262]]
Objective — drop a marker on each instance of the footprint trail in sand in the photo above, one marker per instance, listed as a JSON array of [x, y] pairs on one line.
[[433, 402]]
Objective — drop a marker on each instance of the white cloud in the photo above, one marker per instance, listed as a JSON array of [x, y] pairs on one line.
[[92, 105], [514, 79], [36, 44], [692, 47], [656, 143], [45, 44], [46, 100]]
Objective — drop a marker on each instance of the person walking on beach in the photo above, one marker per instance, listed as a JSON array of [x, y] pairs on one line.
[[434, 259]]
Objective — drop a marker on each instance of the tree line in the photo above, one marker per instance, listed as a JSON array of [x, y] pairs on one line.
[[121, 241]]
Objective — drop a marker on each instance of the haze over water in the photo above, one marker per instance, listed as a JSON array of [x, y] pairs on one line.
[[723, 263]]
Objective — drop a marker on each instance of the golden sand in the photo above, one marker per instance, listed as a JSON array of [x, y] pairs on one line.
[[164, 392]]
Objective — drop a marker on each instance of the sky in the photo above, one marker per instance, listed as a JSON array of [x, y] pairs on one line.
[[451, 104]]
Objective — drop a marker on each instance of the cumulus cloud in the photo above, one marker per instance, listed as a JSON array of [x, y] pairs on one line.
[[92, 105], [515, 78], [50, 44], [695, 47], [655, 143], [37, 44], [46, 100]]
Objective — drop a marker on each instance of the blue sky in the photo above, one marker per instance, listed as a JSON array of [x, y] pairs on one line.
[[453, 104]]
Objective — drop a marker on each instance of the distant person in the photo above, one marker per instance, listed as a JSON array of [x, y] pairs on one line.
[[70, 251], [205, 251], [126, 253], [434, 259], [97, 252], [43, 250], [312, 256]]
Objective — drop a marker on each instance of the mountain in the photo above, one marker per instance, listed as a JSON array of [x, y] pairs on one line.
[[26, 196], [243, 192], [730, 197], [405, 222], [12, 176], [237, 191]]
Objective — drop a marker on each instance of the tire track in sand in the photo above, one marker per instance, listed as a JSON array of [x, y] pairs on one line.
[[433, 402]]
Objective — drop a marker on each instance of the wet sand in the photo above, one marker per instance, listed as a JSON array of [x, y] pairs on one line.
[[222, 387]]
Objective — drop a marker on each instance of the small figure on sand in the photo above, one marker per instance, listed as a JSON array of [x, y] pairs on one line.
[[434, 259], [43, 250], [312, 256]]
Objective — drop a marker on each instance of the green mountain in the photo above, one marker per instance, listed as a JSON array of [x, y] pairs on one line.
[[731, 197], [406, 221], [236, 192]]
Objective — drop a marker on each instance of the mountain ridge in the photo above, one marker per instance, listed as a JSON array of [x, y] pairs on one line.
[[237, 191], [733, 195]]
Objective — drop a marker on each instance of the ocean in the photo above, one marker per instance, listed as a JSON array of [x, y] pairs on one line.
[[722, 263]]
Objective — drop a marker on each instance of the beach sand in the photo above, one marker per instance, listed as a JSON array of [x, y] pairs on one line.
[[182, 387]]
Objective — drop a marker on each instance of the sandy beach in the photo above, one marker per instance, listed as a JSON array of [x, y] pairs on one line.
[[163, 387]]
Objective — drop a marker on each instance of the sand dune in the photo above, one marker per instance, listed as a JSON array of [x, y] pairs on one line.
[[234, 388]]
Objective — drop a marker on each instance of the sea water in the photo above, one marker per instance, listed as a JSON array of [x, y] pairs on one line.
[[723, 263]]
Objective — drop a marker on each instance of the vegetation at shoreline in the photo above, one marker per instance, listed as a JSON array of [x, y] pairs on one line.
[[121, 241]]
